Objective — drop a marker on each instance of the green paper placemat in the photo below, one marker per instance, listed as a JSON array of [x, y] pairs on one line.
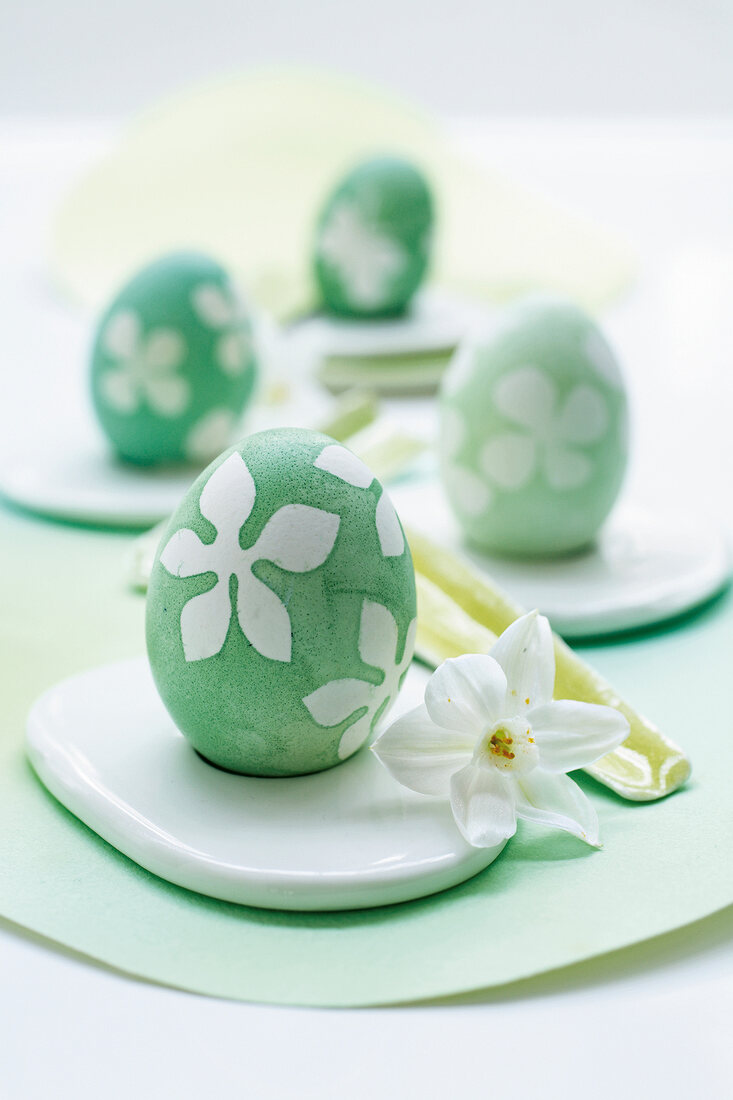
[[548, 901], [241, 166]]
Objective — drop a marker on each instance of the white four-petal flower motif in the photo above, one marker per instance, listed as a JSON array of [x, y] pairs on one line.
[[225, 312], [551, 433], [491, 739], [296, 538], [344, 465], [210, 435], [338, 700], [145, 367], [468, 491], [365, 259]]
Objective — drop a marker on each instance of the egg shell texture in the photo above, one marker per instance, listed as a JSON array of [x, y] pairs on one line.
[[281, 610], [173, 363], [534, 431], [373, 239]]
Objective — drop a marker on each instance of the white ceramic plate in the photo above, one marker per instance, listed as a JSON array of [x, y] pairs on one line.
[[437, 321], [84, 484], [646, 567], [347, 838]]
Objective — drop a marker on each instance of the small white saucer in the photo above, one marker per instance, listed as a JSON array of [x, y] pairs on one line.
[[348, 838], [436, 321], [82, 483], [645, 568], [399, 355]]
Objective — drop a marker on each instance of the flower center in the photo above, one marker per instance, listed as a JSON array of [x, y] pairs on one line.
[[510, 745]]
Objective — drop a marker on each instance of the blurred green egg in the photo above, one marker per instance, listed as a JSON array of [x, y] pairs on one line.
[[534, 430], [173, 363], [373, 239]]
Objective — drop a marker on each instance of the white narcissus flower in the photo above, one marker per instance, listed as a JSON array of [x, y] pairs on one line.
[[490, 737]]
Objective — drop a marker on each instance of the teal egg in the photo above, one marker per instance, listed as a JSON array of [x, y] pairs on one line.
[[281, 609], [173, 364], [373, 239], [534, 430]]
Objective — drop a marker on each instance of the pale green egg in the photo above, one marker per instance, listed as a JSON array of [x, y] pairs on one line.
[[373, 239], [173, 363], [534, 430], [281, 610]]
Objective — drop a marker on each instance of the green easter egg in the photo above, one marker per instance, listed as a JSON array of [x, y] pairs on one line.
[[281, 610], [173, 364], [373, 238], [534, 430]]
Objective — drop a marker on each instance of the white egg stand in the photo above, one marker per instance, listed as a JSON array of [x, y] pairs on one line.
[[347, 838]]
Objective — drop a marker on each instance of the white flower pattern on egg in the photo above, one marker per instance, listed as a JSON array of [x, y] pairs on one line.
[[144, 368], [210, 435], [297, 538], [225, 313], [551, 433], [365, 259], [341, 463], [338, 700], [469, 492]]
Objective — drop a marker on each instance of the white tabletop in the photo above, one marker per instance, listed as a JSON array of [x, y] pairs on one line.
[[654, 1019]]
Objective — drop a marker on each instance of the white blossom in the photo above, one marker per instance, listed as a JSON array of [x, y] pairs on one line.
[[490, 738]]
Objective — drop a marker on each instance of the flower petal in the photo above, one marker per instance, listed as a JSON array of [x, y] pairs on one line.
[[509, 460], [566, 468], [526, 396], [482, 800], [167, 395], [572, 735], [119, 389], [557, 801], [408, 651], [212, 305], [525, 652], [228, 496], [185, 555], [354, 737], [344, 465], [466, 693], [391, 538], [584, 417], [210, 435], [121, 335], [205, 622], [452, 432], [466, 490], [233, 351], [421, 755], [332, 703], [263, 618], [298, 538], [164, 350], [602, 359], [377, 636]]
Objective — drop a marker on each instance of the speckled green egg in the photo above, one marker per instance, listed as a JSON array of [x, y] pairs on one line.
[[173, 363], [534, 431], [373, 239], [281, 607]]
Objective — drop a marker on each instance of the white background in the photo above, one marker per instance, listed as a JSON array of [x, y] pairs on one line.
[[554, 57]]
